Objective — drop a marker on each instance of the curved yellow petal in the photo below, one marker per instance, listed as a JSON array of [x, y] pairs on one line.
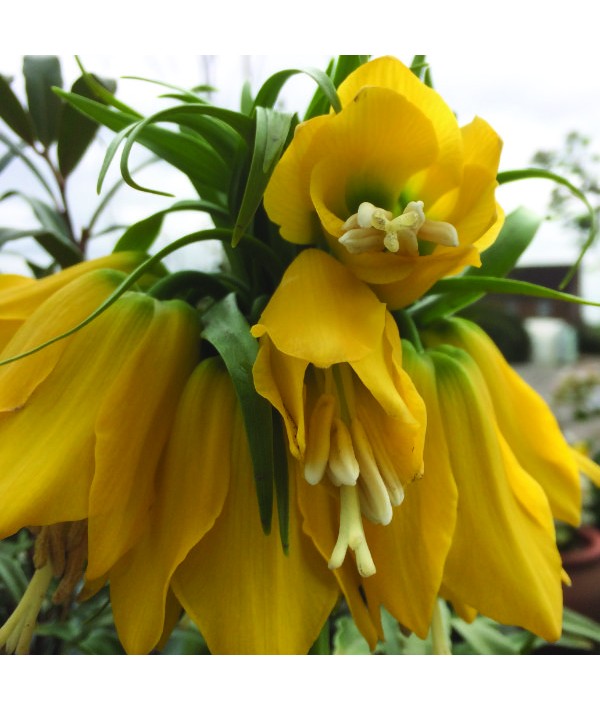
[[20, 296], [524, 418], [503, 560], [410, 553], [321, 313], [280, 379], [287, 197], [191, 489], [47, 446], [59, 313], [243, 592], [144, 395]]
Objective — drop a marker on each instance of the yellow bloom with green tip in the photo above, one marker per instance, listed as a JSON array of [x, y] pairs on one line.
[[401, 193], [21, 295], [502, 560], [330, 362], [84, 421], [204, 548], [524, 418]]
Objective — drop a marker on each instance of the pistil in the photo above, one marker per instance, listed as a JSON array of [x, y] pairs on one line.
[[352, 535]]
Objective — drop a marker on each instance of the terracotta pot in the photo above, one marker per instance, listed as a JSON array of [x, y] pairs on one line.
[[582, 563]]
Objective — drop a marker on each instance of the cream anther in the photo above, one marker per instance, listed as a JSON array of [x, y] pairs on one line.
[[373, 229]]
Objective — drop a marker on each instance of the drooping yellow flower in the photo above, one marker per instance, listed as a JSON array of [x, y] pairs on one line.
[[524, 418], [503, 561], [402, 194], [330, 362], [21, 295], [205, 543], [83, 423]]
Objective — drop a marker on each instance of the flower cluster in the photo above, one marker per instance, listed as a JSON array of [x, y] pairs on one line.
[[411, 462]]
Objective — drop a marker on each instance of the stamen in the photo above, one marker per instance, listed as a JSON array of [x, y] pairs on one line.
[[319, 439], [373, 229], [375, 501], [351, 535], [343, 466], [17, 631]]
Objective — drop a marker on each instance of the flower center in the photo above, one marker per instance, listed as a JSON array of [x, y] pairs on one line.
[[339, 448], [373, 229]]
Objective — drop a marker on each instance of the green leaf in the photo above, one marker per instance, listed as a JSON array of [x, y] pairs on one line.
[[512, 175], [269, 91], [282, 484], [76, 131], [480, 286], [13, 114], [12, 578], [141, 235], [338, 70], [581, 626], [192, 156], [272, 129], [347, 639], [484, 637], [18, 151], [54, 235], [517, 233], [41, 74], [229, 332]]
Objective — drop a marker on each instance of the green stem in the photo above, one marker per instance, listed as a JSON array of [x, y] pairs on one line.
[[408, 329]]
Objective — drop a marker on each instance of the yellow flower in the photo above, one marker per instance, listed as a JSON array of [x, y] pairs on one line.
[[83, 422], [21, 295], [524, 418], [204, 548], [402, 194], [330, 363], [502, 561]]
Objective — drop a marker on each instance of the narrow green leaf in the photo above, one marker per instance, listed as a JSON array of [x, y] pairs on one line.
[[480, 286], [41, 74], [141, 235], [517, 233], [229, 332], [13, 114], [54, 235], [579, 625], [20, 153], [12, 578], [6, 160], [484, 637], [192, 156], [269, 91], [102, 93], [510, 176], [282, 484], [272, 129], [146, 267], [338, 70], [76, 131]]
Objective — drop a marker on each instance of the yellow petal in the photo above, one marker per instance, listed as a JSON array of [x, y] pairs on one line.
[[132, 427], [525, 420], [20, 296], [191, 489], [59, 313], [280, 379], [243, 592], [287, 197], [410, 553], [321, 313], [47, 446], [503, 560]]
